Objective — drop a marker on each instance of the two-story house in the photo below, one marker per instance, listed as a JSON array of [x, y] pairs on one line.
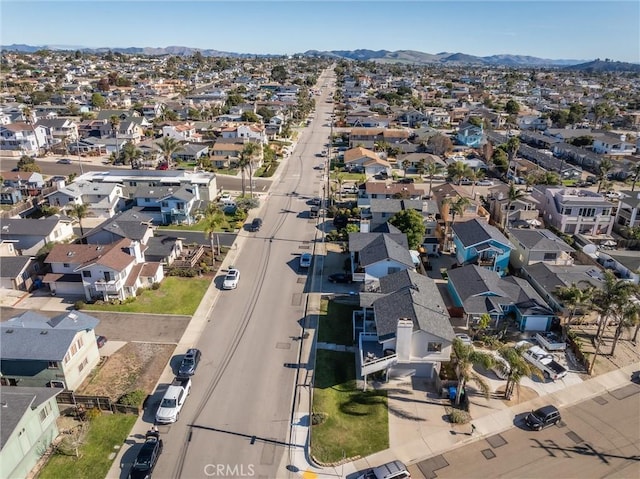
[[59, 130], [374, 255], [480, 291], [477, 242], [404, 329], [573, 210], [23, 139], [247, 132], [103, 200], [29, 183], [628, 213], [613, 145], [182, 132], [29, 427], [538, 245], [38, 351], [382, 210], [523, 211], [168, 204], [226, 152], [106, 272], [624, 264], [30, 235], [470, 135]]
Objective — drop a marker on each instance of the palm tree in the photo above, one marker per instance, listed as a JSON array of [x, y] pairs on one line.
[[606, 166], [114, 121], [629, 317], [130, 154], [249, 152], [513, 195], [513, 144], [574, 296], [476, 175], [610, 300], [79, 211], [27, 113], [339, 179], [405, 166], [431, 170], [518, 368], [465, 358], [458, 170], [214, 219], [459, 207], [635, 175], [168, 146]]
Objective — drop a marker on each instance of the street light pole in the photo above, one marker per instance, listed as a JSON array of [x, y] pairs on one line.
[[78, 150]]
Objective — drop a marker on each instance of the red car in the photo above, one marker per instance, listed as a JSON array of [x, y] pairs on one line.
[[162, 166], [101, 340]]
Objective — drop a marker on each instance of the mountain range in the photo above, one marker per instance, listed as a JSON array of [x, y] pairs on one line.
[[382, 56]]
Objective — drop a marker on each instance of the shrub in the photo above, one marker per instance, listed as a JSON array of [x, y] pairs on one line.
[[458, 416], [79, 304], [133, 398], [155, 286], [318, 418], [93, 413]]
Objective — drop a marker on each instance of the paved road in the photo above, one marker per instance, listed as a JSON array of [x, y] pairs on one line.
[[597, 438], [237, 419]]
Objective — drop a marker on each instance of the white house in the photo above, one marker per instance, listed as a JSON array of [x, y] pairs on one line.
[[22, 138], [103, 200], [614, 145]]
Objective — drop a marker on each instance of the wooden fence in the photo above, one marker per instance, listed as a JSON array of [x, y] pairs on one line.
[[103, 403]]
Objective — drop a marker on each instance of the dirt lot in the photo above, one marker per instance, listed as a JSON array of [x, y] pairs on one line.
[[134, 366]]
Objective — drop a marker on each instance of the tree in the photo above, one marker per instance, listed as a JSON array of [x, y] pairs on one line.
[[247, 157], [250, 117], [458, 207], [513, 144], [27, 163], [279, 74], [628, 316], [79, 211], [431, 170], [606, 166], [27, 114], [458, 170], [483, 324], [214, 219], [465, 358], [411, 223], [500, 159], [514, 194], [601, 110], [635, 175], [130, 155], [574, 296], [512, 107], [338, 178], [476, 175], [114, 121], [98, 101], [440, 144], [168, 146], [518, 368], [405, 166]]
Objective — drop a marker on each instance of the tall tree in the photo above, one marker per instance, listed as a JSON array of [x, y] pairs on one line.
[[27, 114], [513, 144], [465, 358], [518, 368], [628, 315], [168, 146], [574, 296], [440, 144], [214, 219], [405, 166], [514, 194], [458, 170], [79, 211], [114, 121], [411, 223], [249, 152], [606, 166], [635, 175], [431, 170]]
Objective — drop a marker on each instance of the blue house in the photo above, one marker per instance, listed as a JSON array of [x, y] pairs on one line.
[[480, 291], [479, 243], [470, 135]]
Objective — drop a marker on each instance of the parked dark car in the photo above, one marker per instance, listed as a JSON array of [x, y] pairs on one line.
[[340, 278], [255, 225], [189, 363], [147, 457], [543, 417], [406, 180], [101, 340]]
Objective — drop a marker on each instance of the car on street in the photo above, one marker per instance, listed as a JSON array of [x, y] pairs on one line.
[[340, 278], [319, 166], [231, 279], [255, 225], [101, 340], [543, 417], [189, 363], [305, 260], [406, 180], [316, 201], [64, 161], [390, 470], [147, 458], [484, 183]]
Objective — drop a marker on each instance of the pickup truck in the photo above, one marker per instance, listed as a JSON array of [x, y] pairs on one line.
[[545, 362], [551, 341], [173, 400]]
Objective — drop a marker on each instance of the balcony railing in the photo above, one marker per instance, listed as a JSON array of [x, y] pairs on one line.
[[486, 261], [113, 286]]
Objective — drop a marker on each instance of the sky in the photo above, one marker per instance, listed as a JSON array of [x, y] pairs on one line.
[[556, 29]]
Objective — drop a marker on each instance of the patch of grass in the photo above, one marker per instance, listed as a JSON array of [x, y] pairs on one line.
[[174, 296], [227, 171], [336, 325], [105, 432], [355, 422]]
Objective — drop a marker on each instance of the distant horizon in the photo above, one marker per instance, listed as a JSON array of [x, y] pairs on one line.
[[554, 30]]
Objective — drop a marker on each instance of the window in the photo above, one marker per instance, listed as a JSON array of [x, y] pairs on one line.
[[587, 212], [45, 411], [566, 211], [66, 265], [52, 365], [147, 200], [550, 256], [82, 365], [86, 274], [434, 347]]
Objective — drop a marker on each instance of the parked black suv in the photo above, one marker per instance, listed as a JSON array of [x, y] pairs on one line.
[[189, 363], [255, 225], [543, 417], [147, 457]]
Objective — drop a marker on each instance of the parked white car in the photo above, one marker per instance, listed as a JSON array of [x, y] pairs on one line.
[[231, 279]]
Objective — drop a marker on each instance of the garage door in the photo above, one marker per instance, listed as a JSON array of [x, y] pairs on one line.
[[75, 289], [536, 324]]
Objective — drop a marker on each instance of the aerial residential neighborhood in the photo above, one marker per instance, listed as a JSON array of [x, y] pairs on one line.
[[317, 265]]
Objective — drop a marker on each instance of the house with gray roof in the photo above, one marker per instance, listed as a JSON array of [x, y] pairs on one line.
[[168, 204], [477, 242], [629, 209], [622, 263], [374, 255], [18, 272], [404, 328], [103, 200], [30, 235], [480, 291], [535, 245], [132, 224], [27, 428], [38, 351], [163, 249]]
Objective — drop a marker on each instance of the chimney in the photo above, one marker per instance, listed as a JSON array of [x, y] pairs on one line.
[[404, 331], [364, 226]]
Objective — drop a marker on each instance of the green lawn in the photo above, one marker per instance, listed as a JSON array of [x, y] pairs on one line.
[[335, 325], [356, 422], [105, 432], [175, 296], [227, 171]]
